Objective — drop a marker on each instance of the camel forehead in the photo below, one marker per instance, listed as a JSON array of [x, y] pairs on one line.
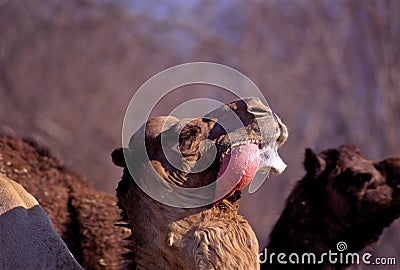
[[358, 164], [159, 124], [347, 156], [351, 168], [151, 129]]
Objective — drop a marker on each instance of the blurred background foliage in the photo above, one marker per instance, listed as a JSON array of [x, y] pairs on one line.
[[330, 69]]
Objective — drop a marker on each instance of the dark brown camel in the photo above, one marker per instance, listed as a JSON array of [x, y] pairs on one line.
[[344, 197]]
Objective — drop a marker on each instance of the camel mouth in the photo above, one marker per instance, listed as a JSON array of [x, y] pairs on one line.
[[240, 163], [270, 161], [390, 170], [396, 193]]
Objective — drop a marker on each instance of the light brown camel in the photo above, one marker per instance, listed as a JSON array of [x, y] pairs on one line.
[[344, 197], [212, 236], [28, 239]]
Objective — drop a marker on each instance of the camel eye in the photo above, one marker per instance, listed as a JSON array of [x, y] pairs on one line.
[[351, 179], [362, 178]]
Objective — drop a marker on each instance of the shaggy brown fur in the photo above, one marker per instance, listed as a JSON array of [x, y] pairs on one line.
[[208, 237], [83, 216], [343, 197]]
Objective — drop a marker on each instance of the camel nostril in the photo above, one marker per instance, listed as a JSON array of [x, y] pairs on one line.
[[393, 179], [391, 169], [394, 182], [259, 110]]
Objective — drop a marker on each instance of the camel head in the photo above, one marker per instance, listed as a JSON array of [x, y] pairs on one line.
[[361, 195], [193, 171], [222, 150]]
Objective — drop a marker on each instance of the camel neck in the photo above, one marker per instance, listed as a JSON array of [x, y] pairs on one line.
[[207, 237]]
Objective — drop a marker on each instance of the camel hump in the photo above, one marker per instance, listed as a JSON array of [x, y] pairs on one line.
[[14, 195], [27, 233]]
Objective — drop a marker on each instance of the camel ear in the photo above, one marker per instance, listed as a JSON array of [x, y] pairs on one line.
[[189, 139], [313, 164], [118, 158]]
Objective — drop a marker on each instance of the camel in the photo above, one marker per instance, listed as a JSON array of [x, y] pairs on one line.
[[209, 236], [82, 215], [343, 198], [28, 238]]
